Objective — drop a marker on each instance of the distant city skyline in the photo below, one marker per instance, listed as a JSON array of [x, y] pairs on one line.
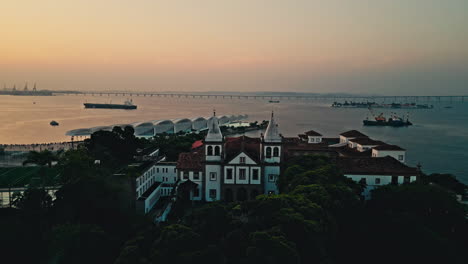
[[416, 47]]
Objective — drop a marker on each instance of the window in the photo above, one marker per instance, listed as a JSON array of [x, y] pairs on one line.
[[213, 193], [174, 169], [157, 170], [196, 192], [377, 180], [271, 177], [186, 175], [210, 151], [228, 174], [242, 160], [196, 175], [400, 157], [276, 152], [312, 139], [363, 181], [255, 175], [217, 151], [406, 179], [212, 176], [268, 152], [242, 174]]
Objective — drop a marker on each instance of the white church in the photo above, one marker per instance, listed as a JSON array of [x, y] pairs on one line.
[[240, 168]]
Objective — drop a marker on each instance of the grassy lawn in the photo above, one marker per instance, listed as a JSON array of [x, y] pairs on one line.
[[22, 176]]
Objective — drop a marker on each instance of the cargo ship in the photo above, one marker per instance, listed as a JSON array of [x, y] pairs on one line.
[[128, 105], [393, 121], [352, 104]]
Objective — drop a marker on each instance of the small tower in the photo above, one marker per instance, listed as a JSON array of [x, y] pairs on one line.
[[271, 156], [271, 142], [213, 140], [213, 160]]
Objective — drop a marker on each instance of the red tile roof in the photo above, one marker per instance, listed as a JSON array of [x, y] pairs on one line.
[[312, 133], [190, 161], [250, 146], [375, 166], [197, 144], [352, 133], [366, 141], [388, 147]]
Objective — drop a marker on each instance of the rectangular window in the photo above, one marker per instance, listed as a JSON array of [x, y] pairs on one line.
[[363, 181], [228, 174], [271, 177], [186, 175], [212, 176], [242, 174], [174, 169], [400, 157], [242, 160], [157, 170], [312, 140], [377, 180], [213, 193], [255, 175], [196, 175], [394, 179]]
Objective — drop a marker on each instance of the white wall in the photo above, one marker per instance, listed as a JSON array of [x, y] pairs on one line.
[[371, 181], [314, 140], [209, 184], [392, 153], [166, 173], [248, 160], [363, 148], [270, 185]]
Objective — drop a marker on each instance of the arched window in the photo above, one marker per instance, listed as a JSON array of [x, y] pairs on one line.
[[276, 152], [268, 152], [217, 151], [210, 151]]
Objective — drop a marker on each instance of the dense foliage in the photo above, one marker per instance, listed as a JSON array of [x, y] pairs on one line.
[[319, 217]]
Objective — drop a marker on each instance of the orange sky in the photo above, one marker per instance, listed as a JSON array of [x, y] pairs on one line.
[[236, 45]]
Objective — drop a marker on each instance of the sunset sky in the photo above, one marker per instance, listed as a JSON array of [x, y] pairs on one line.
[[353, 46]]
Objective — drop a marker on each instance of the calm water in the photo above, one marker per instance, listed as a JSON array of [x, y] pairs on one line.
[[438, 140]]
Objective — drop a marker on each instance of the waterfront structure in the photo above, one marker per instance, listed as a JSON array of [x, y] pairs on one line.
[[168, 126]]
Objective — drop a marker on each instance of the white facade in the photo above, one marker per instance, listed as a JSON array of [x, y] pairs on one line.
[[374, 181], [212, 182], [314, 139], [362, 148], [399, 155]]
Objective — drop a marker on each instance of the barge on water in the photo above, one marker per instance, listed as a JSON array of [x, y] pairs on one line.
[[128, 105], [393, 121]]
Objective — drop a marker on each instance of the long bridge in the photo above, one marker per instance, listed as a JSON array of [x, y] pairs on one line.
[[274, 97]]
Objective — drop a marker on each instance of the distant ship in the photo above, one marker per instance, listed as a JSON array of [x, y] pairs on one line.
[[54, 123], [274, 101], [394, 120], [128, 105], [352, 104]]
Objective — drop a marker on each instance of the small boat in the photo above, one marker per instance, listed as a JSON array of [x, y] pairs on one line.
[[274, 101], [54, 123], [448, 107]]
